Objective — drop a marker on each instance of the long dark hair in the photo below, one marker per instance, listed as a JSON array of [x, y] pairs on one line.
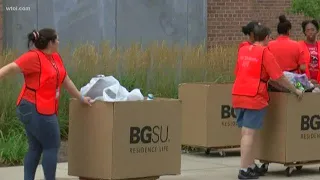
[[41, 38]]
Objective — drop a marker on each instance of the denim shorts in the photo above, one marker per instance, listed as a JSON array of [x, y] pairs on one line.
[[250, 118]]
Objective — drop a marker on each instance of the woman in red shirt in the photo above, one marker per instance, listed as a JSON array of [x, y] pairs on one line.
[[248, 31], [287, 52], [256, 65], [312, 49], [37, 105]]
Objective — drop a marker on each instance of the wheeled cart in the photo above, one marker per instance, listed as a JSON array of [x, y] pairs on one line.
[[290, 166], [221, 150], [120, 141], [208, 119], [290, 133]]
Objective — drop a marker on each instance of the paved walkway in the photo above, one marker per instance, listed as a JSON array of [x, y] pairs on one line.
[[194, 167]]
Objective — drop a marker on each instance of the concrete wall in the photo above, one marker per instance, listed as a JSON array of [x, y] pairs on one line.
[[121, 22], [126, 21]]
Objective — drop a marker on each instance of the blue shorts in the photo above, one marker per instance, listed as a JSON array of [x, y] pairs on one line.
[[250, 118]]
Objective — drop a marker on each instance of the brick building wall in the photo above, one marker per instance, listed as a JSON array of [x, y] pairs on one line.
[[226, 17]]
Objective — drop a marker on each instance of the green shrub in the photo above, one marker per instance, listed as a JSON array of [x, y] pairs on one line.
[[13, 147]]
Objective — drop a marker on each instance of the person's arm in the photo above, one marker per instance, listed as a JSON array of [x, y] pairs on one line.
[[74, 92], [302, 68], [283, 81], [71, 88], [314, 82], [11, 68]]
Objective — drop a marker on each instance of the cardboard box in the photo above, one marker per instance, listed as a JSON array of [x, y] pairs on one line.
[[123, 140], [208, 119], [291, 129]]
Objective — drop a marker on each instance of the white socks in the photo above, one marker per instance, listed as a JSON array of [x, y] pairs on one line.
[[246, 169]]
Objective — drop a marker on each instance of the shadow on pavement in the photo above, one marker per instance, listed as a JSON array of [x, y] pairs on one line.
[[215, 154], [306, 172]]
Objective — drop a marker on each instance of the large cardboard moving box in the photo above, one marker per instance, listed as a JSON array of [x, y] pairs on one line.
[[291, 129], [208, 119], [123, 140]]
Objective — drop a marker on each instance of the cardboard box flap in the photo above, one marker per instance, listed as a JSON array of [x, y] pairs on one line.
[[194, 114], [88, 127]]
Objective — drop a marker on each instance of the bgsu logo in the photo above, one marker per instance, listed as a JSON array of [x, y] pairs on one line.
[[310, 122], [227, 112], [149, 134]]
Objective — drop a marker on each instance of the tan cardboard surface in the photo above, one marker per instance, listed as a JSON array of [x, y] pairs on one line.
[[125, 139], [194, 114], [271, 141], [90, 139], [222, 126], [148, 154], [291, 131], [303, 128], [207, 111]]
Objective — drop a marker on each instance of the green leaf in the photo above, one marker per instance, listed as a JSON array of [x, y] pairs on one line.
[[309, 8]]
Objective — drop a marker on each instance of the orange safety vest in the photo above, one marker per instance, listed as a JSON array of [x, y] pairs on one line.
[[244, 43], [248, 77], [308, 58], [52, 75]]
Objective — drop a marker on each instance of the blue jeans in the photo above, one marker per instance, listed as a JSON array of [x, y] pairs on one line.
[[250, 118], [43, 134]]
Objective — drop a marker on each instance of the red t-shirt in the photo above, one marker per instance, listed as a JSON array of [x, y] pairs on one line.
[[270, 69], [314, 61], [287, 52], [29, 64]]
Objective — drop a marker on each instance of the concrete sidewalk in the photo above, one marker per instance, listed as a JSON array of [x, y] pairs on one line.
[[194, 167]]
